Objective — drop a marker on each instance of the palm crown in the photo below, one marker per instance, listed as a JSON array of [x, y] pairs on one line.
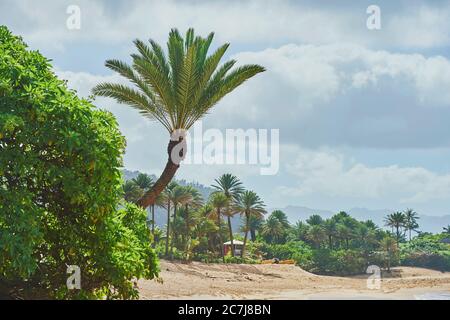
[[175, 89], [181, 88]]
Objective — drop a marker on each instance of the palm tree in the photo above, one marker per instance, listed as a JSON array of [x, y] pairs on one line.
[[219, 201], [314, 220], [273, 229], [178, 196], [447, 229], [282, 217], [396, 221], [316, 235], [345, 233], [248, 204], [168, 197], [389, 245], [411, 224], [255, 224], [301, 230], [329, 227], [176, 89], [144, 181], [131, 191], [229, 185], [193, 201]]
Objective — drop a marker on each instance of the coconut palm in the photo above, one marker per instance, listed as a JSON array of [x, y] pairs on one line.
[[176, 89], [219, 201], [249, 204], [396, 221], [411, 224], [232, 188]]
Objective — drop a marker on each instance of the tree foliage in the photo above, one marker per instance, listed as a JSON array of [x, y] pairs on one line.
[[60, 187]]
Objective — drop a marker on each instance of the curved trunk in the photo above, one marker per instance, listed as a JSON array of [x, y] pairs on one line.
[[247, 224], [167, 175]]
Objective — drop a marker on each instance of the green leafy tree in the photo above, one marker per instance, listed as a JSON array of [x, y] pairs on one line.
[[176, 89], [61, 187]]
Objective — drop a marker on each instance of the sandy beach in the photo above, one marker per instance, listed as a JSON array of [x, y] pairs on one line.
[[232, 281]]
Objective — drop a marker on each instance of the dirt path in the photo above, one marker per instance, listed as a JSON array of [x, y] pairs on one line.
[[232, 281]]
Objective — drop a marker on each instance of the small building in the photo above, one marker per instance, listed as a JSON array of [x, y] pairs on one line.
[[445, 240], [237, 247]]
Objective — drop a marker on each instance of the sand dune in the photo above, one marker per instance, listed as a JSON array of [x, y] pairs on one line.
[[232, 281]]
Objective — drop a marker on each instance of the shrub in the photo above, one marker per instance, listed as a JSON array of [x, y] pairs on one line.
[[60, 183]]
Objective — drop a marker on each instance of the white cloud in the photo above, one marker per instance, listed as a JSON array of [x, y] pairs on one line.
[[250, 22], [330, 174]]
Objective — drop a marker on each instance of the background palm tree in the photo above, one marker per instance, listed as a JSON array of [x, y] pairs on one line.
[[256, 223], [447, 229], [411, 218], [219, 201], [397, 221], [273, 229], [168, 199], [231, 187], [131, 191], [248, 204], [389, 245], [178, 197], [314, 220], [176, 89], [316, 235], [329, 227]]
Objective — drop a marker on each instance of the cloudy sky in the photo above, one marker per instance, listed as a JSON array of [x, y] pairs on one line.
[[363, 114]]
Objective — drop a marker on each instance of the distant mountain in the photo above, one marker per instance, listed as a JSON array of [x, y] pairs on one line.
[[295, 213]]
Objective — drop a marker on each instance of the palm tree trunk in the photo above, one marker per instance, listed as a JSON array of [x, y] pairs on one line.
[[168, 228], [171, 168], [330, 241], [253, 234], [187, 232], [247, 224], [153, 225], [220, 235], [231, 236], [173, 231]]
